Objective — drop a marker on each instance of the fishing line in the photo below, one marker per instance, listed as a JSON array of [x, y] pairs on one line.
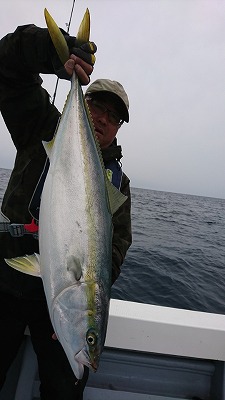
[[68, 29], [71, 14]]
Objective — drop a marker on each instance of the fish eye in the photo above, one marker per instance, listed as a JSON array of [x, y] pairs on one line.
[[91, 337]]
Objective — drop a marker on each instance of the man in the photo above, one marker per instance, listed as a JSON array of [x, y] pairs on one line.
[[30, 118]]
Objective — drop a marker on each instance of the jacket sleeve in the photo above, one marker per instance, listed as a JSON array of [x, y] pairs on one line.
[[23, 55], [122, 236]]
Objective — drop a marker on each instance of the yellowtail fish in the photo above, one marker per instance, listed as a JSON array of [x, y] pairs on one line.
[[75, 228]]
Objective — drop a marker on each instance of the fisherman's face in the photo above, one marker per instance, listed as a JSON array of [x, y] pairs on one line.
[[106, 119]]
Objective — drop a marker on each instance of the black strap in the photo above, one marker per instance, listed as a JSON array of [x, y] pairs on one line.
[[15, 230]]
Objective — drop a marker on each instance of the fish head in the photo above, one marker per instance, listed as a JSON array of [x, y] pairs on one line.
[[77, 328], [90, 354]]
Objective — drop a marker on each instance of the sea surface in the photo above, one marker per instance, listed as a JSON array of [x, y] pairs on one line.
[[177, 258]]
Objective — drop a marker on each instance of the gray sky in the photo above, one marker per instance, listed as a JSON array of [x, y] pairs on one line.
[[170, 57]]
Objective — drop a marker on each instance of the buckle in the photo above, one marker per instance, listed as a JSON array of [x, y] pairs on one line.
[[16, 230]]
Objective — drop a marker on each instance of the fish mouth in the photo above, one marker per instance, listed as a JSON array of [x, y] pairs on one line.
[[94, 366], [83, 358]]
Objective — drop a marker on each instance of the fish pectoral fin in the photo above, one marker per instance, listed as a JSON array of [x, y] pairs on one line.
[[116, 198], [28, 264], [74, 265]]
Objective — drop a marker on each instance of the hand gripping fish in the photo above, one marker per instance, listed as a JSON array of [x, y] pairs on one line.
[[75, 227]]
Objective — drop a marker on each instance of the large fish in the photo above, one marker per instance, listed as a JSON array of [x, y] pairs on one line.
[[75, 229]]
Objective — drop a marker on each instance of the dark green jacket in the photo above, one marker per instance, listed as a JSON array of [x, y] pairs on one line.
[[30, 118]]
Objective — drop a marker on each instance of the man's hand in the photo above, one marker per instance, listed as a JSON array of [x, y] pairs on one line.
[[82, 68], [54, 337]]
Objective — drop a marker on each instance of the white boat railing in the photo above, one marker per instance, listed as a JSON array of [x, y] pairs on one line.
[[165, 330]]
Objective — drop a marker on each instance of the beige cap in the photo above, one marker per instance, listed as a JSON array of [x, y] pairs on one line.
[[106, 85]]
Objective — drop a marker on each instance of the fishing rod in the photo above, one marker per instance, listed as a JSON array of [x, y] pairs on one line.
[[68, 29]]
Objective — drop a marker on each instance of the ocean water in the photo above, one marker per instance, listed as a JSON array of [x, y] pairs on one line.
[[177, 258]]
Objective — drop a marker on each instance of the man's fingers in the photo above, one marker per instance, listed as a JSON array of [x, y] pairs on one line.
[[85, 52], [83, 77], [82, 69], [86, 67], [54, 337]]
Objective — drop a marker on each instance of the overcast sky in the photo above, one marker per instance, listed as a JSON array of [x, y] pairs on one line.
[[170, 57]]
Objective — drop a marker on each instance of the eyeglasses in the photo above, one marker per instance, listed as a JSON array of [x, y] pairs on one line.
[[100, 109]]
